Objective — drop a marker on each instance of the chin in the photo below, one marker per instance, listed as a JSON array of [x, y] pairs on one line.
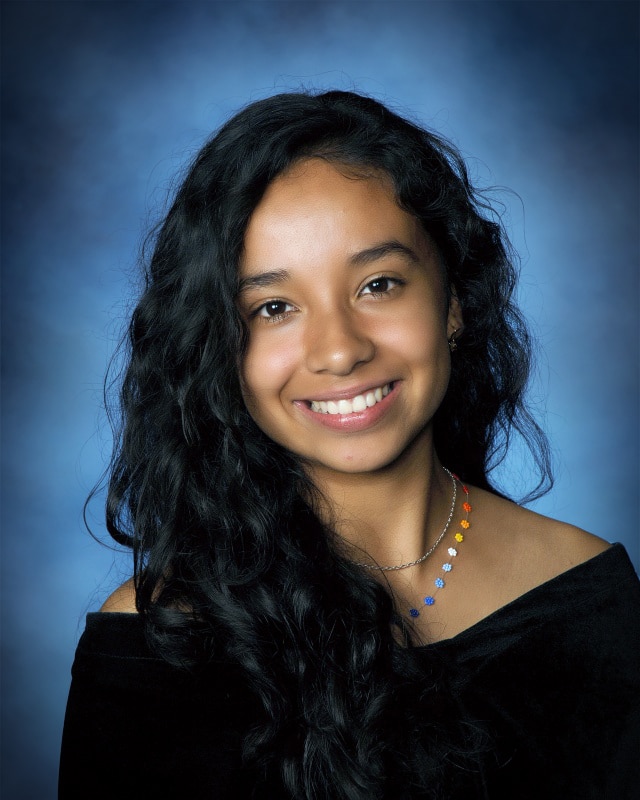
[[358, 463]]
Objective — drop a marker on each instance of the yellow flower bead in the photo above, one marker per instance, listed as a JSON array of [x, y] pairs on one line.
[[459, 537]]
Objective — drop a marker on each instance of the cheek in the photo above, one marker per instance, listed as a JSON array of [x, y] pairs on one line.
[[420, 339], [266, 371]]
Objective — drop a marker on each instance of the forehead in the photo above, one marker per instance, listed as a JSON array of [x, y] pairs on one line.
[[319, 208]]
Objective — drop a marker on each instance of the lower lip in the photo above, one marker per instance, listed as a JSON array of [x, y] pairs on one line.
[[358, 421]]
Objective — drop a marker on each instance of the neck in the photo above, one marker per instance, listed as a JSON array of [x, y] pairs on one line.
[[391, 516]]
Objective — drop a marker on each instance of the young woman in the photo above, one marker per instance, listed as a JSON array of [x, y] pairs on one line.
[[329, 598]]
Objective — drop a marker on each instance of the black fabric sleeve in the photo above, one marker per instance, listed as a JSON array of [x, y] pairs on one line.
[[136, 727], [554, 678]]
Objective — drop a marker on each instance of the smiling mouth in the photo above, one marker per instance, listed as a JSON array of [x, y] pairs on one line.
[[355, 405]]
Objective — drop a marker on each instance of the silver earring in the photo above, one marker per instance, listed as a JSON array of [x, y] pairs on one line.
[[453, 345]]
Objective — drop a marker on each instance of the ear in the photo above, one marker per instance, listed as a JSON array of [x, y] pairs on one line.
[[455, 322]]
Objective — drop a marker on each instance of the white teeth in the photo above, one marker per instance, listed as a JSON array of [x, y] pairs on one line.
[[359, 403]]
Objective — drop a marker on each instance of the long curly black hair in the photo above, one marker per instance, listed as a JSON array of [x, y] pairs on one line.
[[229, 557]]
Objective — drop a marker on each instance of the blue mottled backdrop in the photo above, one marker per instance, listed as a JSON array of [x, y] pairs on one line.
[[103, 102]]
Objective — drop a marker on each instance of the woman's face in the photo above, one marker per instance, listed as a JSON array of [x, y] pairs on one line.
[[346, 308]]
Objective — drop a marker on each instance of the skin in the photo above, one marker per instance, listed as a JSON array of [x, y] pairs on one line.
[[337, 311], [342, 292]]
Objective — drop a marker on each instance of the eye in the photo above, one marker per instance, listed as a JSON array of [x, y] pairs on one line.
[[273, 310], [380, 285]]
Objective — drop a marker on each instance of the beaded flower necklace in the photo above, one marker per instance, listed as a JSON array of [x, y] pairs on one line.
[[440, 582]]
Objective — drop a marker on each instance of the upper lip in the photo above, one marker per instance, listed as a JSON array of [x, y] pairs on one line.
[[347, 394]]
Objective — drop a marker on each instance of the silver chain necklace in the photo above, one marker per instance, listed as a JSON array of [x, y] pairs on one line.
[[435, 544]]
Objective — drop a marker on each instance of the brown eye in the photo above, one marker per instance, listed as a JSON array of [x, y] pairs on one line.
[[273, 309], [380, 285]]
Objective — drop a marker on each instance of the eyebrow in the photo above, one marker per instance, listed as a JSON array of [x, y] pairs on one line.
[[382, 250], [266, 280]]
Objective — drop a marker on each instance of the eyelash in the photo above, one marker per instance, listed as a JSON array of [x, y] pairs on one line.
[[279, 317], [276, 317], [379, 279]]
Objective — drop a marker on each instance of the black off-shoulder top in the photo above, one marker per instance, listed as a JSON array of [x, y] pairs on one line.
[[553, 678]]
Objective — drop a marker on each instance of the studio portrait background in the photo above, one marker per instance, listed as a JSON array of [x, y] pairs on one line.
[[103, 104]]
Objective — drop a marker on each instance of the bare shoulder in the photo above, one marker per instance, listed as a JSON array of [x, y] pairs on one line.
[[566, 543], [122, 601], [507, 552], [535, 548]]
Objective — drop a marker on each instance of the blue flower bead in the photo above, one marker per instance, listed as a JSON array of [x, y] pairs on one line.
[[428, 600]]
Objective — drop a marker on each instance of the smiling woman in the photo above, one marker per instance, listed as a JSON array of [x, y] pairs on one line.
[[330, 599], [361, 309]]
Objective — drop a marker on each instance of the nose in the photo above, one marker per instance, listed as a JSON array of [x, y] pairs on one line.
[[336, 343]]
